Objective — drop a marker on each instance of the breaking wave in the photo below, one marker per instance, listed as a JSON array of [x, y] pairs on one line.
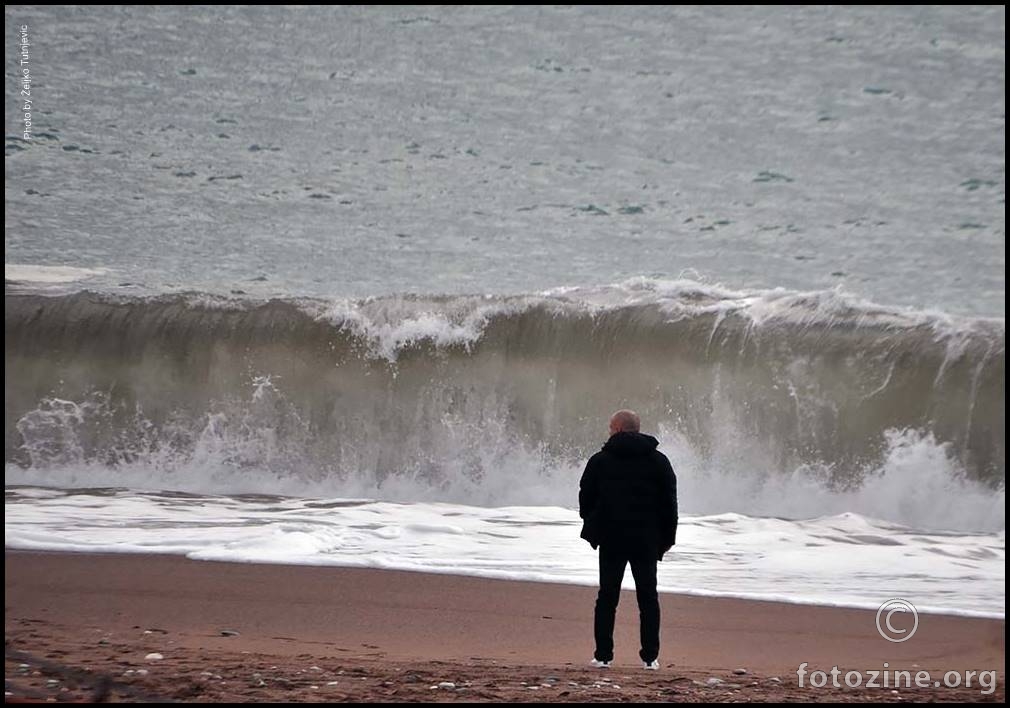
[[768, 402]]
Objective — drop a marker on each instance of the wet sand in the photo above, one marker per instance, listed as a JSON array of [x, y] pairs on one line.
[[249, 632]]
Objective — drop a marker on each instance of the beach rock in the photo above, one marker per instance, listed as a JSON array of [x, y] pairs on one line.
[[447, 685], [713, 681], [154, 656], [740, 672], [229, 633]]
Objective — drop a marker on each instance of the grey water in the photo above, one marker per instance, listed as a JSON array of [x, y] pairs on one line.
[[359, 151]]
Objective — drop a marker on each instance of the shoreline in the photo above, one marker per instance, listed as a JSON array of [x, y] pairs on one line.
[[743, 597]]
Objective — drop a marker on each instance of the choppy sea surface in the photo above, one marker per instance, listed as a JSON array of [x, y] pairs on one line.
[[360, 286]]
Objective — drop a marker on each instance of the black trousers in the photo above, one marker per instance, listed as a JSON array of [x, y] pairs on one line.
[[613, 560]]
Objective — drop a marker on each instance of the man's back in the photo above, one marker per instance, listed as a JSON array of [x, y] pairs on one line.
[[628, 495]]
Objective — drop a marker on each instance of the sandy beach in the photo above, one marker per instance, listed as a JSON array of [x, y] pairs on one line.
[[249, 632]]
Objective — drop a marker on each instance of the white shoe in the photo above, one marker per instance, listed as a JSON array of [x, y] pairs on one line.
[[651, 666], [597, 664]]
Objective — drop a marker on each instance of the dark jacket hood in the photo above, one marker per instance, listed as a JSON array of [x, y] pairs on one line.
[[630, 444]]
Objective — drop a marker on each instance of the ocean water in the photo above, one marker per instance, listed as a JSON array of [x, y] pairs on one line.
[[355, 151], [360, 286]]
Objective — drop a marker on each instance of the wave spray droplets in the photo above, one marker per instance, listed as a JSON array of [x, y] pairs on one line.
[[769, 402]]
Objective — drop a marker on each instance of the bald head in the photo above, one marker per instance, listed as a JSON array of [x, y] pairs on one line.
[[625, 421]]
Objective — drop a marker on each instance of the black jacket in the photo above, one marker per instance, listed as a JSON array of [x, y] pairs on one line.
[[628, 495]]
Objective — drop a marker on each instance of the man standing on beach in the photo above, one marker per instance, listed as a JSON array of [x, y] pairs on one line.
[[628, 501]]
